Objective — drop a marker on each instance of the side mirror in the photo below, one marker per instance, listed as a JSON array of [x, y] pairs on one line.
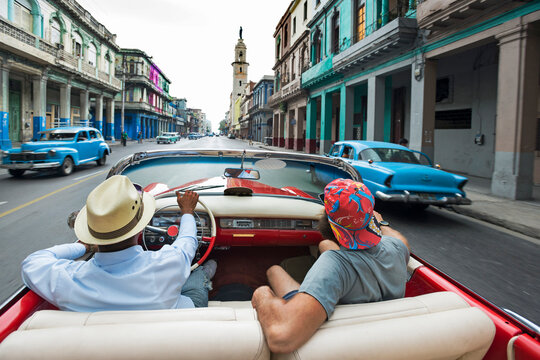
[[237, 173]]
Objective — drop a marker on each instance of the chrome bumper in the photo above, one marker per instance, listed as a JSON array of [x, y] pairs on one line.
[[30, 166], [407, 197]]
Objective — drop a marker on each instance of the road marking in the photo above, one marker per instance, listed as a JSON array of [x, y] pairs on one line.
[[46, 196], [92, 174]]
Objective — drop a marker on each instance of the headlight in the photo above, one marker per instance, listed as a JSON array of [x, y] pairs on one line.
[[52, 153]]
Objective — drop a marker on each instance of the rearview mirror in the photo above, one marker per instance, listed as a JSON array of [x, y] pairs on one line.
[[238, 173]]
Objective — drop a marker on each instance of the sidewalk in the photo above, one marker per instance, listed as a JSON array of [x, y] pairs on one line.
[[522, 216]]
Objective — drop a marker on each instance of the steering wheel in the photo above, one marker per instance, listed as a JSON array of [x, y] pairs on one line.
[[173, 233]]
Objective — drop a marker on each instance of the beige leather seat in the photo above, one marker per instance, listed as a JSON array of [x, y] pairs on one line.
[[439, 325]]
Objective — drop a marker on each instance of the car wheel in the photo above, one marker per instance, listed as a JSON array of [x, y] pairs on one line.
[[16, 172], [102, 160], [67, 166]]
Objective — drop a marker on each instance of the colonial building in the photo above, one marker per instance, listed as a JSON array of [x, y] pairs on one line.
[[180, 116], [146, 105], [246, 102], [292, 58], [260, 112], [57, 68], [459, 79]]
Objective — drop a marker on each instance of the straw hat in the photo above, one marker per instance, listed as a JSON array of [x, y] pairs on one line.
[[115, 211]]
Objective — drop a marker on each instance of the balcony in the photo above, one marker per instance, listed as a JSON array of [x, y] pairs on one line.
[[318, 72], [442, 15], [395, 37], [33, 48]]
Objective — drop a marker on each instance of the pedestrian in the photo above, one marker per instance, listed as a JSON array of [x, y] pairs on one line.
[[139, 137], [403, 142], [250, 139], [363, 260], [121, 276], [124, 138]]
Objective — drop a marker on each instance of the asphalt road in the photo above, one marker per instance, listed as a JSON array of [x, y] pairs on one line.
[[499, 265]]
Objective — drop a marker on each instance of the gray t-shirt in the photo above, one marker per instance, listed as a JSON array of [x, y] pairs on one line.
[[358, 276]]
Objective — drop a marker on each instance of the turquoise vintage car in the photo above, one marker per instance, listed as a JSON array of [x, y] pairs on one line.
[[395, 173], [59, 148], [167, 138]]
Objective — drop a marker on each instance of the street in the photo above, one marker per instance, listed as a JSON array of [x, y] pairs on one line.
[[499, 265]]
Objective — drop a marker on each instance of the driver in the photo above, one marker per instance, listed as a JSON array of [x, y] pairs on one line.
[[121, 276], [361, 262]]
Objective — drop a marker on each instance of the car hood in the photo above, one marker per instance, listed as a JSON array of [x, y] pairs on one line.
[[39, 145], [422, 178]]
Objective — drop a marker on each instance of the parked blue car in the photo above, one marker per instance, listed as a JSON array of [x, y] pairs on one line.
[[394, 173], [59, 148]]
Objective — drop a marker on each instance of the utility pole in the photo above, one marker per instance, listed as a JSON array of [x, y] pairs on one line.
[[123, 95]]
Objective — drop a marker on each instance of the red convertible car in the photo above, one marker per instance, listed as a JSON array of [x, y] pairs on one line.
[[257, 209]]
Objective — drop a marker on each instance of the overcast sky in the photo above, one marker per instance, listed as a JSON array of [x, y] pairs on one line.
[[192, 42]]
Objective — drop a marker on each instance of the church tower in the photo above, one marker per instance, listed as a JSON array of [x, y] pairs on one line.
[[240, 68]]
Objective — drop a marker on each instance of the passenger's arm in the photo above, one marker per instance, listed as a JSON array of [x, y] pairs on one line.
[[287, 325], [39, 268]]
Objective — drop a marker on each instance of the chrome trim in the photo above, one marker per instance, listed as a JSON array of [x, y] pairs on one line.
[[139, 157], [407, 197], [528, 323], [30, 166]]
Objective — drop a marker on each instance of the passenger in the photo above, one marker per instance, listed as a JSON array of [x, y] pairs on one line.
[[121, 276], [403, 142], [362, 261], [345, 153]]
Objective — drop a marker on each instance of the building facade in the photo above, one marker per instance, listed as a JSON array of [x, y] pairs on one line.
[[459, 79], [289, 100], [146, 106], [57, 69], [260, 112]]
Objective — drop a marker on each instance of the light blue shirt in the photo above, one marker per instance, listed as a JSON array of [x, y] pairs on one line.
[[130, 279]]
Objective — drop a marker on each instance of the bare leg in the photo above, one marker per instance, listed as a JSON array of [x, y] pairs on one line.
[[281, 282], [326, 245]]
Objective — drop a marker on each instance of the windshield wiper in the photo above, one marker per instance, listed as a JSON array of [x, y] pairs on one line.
[[172, 192]]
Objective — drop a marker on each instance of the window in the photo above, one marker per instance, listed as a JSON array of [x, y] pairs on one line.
[[453, 119], [240, 83], [294, 25], [285, 35], [56, 34], [76, 45], [293, 66], [360, 21], [107, 64], [335, 33], [317, 48], [240, 69], [305, 10], [22, 14], [131, 67], [93, 134], [92, 57], [443, 92]]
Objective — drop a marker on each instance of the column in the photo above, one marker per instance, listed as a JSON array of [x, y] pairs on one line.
[[299, 115], [110, 119], [84, 95], [422, 125], [65, 104], [375, 109], [311, 126], [517, 94], [275, 130], [39, 102], [346, 113], [289, 140], [5, 142], [281, 133], [99, 112], [326, 123]]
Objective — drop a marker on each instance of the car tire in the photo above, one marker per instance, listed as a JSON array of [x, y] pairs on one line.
[[16, 172], [67, 166], [102, 160]]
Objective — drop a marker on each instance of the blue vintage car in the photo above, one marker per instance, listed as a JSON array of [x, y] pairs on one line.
[[394, 173], [60, 148]]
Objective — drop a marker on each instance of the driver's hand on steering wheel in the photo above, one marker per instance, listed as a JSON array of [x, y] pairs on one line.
[[187, 202]]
